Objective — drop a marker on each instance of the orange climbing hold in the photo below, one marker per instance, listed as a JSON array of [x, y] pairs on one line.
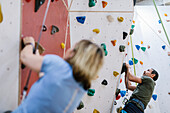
[[168, 53], [1, 16], [104, 3], [165, 14], [96, 30], [133, 21], [141, 42], [113, 42], [141, 62], [128, 43], [115, 73], [95, 111]]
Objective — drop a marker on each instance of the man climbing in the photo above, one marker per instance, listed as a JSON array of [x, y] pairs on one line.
[[142, 93]]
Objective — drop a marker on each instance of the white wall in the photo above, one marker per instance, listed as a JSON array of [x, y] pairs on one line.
[[9, 54], [146, 30], [96, 17]]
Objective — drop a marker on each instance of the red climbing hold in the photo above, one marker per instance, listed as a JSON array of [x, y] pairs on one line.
[[118, 97], [104, 3]]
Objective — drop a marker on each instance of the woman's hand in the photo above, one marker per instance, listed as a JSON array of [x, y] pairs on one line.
[[28, 39]]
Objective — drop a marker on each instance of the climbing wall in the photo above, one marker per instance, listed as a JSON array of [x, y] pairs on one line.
[[9, 53], [149, 30], [97, 18], [31, 26]]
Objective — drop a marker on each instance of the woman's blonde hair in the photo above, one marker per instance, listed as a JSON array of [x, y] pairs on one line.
[[86, 62]]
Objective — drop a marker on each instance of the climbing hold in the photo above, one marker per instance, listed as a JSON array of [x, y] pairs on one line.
[[117, 92], [130, 62], [38, 4], [121, 80], [81, 19], [104, 82], [128, 43], [143, 49], [122, 48], [163, 47], [124, 35], [115, 103], [110, 18], [81, 105], [168, 53], [103, 45], [135, 60], [62, 45], [159, 21], [149, 46], [168, 20], [169, 93], [41, 49], [141, 62], [124, 69], [104, 3], [118, 97], [125, 101], [115, 73], [123, 111], [95, 111], [120, 19], [105, 52], [1, 15], [131, 31], [27, 0], [91, 92], [113, 42], [154, 96], [122, 93], [44, 28], [141, 42], [54, 29], [137, 47], [133, 26], [159, 31], [150, 107], [119, 109], [133, 21], [96, 30], [165, 14], [92, 3]]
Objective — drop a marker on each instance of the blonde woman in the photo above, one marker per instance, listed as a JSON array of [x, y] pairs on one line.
[[65, 81]]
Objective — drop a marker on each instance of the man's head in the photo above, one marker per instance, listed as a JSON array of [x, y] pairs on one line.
[[151, 73]]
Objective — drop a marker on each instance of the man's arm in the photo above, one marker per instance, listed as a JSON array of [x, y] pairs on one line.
[[128, 84], [27, 57]]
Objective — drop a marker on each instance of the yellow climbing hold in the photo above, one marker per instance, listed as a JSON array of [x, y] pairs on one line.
[[115, 73], [141, 42], [96, 30], [62, 45], [113, 42], [165, 14], [120, 19], [95, 111], [1, 16]]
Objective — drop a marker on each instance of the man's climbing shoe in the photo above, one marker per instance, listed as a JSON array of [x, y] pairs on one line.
[[124, 68]]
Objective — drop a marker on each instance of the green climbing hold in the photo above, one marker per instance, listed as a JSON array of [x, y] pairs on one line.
[[92, 3], [135, 60], [122, 48], [91, 92], [105, 52], [133, 26], [103, 45], [81, 105], [131, 31], [143, 49]]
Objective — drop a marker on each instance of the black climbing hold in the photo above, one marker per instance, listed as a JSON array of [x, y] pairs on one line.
[[38, 3], [115, 103], [52, 0], [44, 28], [122, 48], [117, 92], [124, 35], [104, 82], [54, 29], [124, 69], [131, 31], [81, 105]]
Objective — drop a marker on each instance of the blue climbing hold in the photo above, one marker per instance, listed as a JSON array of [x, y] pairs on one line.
[[81, 19], [123, 111], [163, 47], [154, 96], [122, 93], [137, 47], [130, 62], [159, 21]]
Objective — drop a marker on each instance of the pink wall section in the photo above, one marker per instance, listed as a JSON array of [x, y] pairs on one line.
[[31, 25]]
